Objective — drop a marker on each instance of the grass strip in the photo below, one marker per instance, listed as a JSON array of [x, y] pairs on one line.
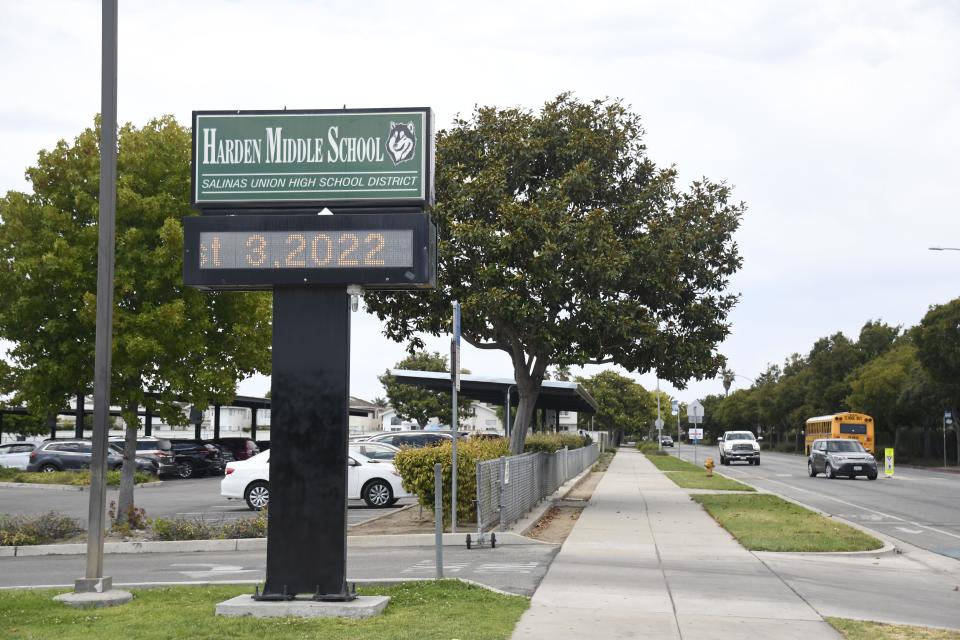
[[859, 630], [690, 476], [768, 523], [72, 478], [417, 611]]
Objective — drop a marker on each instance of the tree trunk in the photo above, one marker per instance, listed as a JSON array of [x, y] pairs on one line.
[[529, 379], [125, 504]]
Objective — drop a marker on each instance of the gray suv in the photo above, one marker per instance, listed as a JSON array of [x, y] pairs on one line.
[[840, 457], [67, 455]]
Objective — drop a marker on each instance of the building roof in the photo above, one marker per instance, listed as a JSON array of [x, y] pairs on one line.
[[554, 394]]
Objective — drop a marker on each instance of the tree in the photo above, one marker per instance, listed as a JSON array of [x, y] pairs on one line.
[[170, 342], [414, 403], [623, 405], [566, 245], [938, 345]]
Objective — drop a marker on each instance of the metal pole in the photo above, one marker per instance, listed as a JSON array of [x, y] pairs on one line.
[[438, 515], [94, 580], [453, 469], [944, 440], [659, 419]]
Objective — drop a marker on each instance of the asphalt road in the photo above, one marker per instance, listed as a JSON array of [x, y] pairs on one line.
[[193, 498], [917, 506], [514, 568]]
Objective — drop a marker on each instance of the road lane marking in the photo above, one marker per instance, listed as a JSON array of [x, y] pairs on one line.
[[907, 530], [784, 475], [525, 567], [429, 566], [885, 515], [211, 570]]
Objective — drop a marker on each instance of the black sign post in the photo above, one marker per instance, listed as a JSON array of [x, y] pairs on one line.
[[261, 179]]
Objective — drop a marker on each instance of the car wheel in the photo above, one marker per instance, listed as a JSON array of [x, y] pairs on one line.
[[377, 493], [49, 468], [872, 476], [185, 469], [257, 495], [829, 472], [757, 462], [810, 471]]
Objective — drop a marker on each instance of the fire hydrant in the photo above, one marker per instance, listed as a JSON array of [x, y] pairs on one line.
[[708, 465]]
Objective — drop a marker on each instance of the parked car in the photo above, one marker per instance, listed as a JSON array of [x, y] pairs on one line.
[[378, 483], [666, 441], [840, 457], [194, 458], [412, 438], [375, 450], [65, 455], [157, 449], [263, 445], [16, 455], [738, 445], [240, 448]]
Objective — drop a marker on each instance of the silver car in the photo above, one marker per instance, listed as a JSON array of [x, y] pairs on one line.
[[840, 457]]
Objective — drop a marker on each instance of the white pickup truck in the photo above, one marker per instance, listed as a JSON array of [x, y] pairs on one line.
[[738, 445]]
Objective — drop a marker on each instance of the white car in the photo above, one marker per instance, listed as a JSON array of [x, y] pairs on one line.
[[16, 455], [738, 445], [378, 483]]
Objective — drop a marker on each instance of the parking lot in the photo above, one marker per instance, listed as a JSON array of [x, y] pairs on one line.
[[192, 498]]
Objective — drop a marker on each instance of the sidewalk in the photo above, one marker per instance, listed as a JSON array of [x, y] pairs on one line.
[[645, 561]]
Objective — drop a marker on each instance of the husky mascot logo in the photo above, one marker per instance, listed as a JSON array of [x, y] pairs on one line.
[[401, 141]]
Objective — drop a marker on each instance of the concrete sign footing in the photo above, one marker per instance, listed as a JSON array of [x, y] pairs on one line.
[[94, 599], [361, 607]]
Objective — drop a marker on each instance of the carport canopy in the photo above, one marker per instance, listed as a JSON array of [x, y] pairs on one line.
[[554, 394]]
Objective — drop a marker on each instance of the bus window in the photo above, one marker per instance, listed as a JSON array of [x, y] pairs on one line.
[[853, 429]]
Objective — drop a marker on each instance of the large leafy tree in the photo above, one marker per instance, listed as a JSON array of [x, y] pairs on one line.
[[566, 245], [624, 405], [414, 403], [170, 342], [938, 345]]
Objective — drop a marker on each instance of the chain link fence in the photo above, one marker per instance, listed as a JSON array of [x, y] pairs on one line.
[[508, 487]]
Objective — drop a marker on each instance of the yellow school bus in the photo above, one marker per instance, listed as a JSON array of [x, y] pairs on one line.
[[855, 426]]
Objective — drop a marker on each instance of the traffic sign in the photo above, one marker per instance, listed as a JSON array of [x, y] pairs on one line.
[[888, 462], [948, 417], [658, 423], [695, 412], [674, 407], [696, 433]]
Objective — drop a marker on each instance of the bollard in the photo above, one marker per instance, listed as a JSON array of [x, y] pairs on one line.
[[708, 465]]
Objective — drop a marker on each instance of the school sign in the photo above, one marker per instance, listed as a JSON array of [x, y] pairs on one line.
[[357, 158]]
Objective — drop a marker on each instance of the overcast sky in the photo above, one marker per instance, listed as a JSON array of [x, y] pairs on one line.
[[837, 122]]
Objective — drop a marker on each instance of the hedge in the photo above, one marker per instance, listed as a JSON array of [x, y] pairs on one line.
[[415, 466]]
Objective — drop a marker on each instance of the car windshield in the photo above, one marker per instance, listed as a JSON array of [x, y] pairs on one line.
[[739, 436], [845, 446]]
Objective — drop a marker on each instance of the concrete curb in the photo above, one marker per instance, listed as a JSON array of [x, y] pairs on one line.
[[68, 487], [252, 544]]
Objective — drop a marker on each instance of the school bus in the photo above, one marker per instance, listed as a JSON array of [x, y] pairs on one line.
[[855, 426]]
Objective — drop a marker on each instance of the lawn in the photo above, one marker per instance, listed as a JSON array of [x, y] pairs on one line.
[[857, 630], [417, 611], [768, 523], [690, 476]]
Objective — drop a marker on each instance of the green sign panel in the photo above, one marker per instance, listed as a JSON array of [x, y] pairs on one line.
[[288, 159]]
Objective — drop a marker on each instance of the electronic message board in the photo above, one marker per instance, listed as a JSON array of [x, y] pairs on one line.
[[377, 251]]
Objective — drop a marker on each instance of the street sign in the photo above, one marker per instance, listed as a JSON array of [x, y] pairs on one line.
[[696, 433], [674, 407], [888, 462], [658, 423], [313, 158], [948, 417], [695, 412]]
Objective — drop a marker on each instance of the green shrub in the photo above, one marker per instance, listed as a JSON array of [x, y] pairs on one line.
[[648, 447], [553, 442], [184, 529], [72, 478], [43, 529], [415, 467]]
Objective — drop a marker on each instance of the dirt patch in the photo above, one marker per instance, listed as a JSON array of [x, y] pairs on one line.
[[557, 523]]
